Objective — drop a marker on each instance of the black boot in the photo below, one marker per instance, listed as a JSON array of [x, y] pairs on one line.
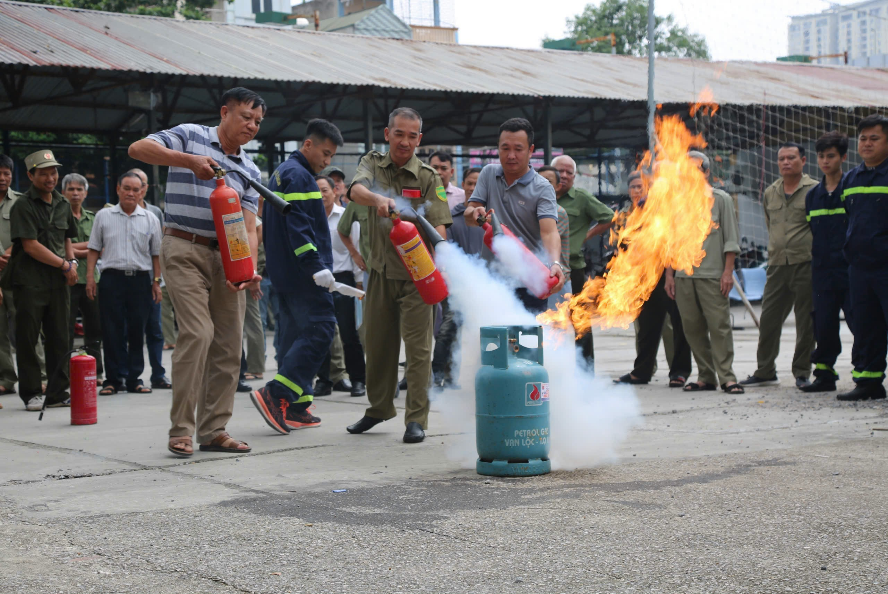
[[820, 384], [863, 392]]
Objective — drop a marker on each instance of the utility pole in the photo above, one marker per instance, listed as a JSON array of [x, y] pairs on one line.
[[652, 105]]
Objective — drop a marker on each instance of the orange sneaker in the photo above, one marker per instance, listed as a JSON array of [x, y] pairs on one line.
[[272, 410], [301, 420]]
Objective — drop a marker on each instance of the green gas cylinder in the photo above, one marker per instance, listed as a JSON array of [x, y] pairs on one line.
[[512, 403]]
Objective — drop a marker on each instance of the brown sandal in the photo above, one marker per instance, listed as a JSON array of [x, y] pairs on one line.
[[252, 376], [181, 446], [226, 444]]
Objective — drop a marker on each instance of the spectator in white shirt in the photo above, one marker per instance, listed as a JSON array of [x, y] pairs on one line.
[[345, 271], [128, 238]]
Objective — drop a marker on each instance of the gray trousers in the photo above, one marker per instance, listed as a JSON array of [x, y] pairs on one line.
[[254, 333], [706, 317]]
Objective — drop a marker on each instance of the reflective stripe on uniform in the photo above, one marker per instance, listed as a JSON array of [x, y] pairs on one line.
[[300, 196], [824, 212], [825, 367], [295, 388], [307, 247], [866, 374], [865, 190]]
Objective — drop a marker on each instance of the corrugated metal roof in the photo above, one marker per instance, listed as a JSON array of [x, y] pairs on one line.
[[376, 22], [40, 35]]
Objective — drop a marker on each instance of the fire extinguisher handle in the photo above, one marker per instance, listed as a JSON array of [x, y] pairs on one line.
[[279, 204]]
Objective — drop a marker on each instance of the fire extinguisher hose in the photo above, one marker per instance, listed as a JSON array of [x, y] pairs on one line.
[[279, 204]]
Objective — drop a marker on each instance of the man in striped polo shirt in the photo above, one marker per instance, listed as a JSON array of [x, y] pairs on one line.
[[209, 309]]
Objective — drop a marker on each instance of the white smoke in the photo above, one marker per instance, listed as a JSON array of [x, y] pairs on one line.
[[518, 263], [589, 417]]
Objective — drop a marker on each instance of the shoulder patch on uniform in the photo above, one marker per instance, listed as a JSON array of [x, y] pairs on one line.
[[441, 193], [277, 177]]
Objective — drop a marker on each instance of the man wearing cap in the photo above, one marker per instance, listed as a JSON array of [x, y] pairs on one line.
[[40, 270], [339, 188]]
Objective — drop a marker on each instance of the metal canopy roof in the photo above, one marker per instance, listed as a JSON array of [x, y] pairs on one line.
[[76, 70]]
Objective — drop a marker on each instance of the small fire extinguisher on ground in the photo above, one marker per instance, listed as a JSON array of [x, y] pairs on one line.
[[83, 389]]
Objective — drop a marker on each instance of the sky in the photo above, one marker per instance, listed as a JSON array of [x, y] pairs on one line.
[[734, 29]]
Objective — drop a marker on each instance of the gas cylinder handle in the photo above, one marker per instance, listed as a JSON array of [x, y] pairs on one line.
[[530, 353], [498, 357]]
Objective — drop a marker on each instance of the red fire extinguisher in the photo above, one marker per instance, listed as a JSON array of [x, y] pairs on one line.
[[492, 228], [231, 232], [83, 390], [418, 261]]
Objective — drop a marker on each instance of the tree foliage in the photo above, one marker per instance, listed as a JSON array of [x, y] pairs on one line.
[[628, 20], [191, 9]]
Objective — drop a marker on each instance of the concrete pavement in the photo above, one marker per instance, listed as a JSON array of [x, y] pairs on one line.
[[771, 491]]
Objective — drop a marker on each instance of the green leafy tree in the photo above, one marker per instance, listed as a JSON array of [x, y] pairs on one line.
[[628, 20], [191, 9]]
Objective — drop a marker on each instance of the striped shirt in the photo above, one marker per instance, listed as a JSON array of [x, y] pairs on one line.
[[128, 241], [188, 198]]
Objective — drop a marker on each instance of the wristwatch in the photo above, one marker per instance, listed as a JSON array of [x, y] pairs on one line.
[[564, 268], [157, 279]]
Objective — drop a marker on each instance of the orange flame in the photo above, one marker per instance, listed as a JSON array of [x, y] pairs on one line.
[[667, 232]]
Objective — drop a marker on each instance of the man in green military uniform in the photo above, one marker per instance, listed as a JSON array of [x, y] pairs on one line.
[[41, 269], [702, 296], [394, 308], [7, 309], [74, 189], [588, 217], [788, 285]]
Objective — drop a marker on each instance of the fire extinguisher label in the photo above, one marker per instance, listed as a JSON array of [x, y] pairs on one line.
[[417, 259], [236, 236]]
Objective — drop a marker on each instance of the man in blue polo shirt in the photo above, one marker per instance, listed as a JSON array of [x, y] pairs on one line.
[[866, 249], [829, 269], [522, 199], [209, 309]]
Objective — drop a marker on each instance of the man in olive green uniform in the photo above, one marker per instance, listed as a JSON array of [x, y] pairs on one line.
[[788, 285], [41, 269], [7, 309], [702, 297], [394, 308], [588, 217], [74, 189]]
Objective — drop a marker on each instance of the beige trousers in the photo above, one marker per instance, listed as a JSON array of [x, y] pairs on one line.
[[206, 362], [706, 318]]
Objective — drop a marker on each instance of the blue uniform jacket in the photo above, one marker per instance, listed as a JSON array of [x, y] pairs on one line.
[[866, 202], [298, 245], [829, 226]]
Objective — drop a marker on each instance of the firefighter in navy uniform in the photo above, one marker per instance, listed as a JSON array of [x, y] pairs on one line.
[[829, 269], [866, 248], [299, 261]]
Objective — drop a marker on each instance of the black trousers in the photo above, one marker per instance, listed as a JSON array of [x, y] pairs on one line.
[[344, 307], [48, 309], [92, 325], [828, 302], [125, 303], [869, 303], [650, 331], [442, 361], [587, 349]]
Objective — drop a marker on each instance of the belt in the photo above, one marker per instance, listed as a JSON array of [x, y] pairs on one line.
[[118, 272], [192, 237]]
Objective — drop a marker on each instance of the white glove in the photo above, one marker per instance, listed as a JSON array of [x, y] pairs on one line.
[[325, 279]]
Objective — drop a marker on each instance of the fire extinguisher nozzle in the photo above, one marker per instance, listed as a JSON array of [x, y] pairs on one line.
[[427, 228]]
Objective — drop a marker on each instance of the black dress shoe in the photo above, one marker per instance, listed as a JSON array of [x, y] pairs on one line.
[[414, 433], [402, 385], [343, 385], [863, 392], [820, 384], [364, 424], [323, 388], [243, 386], [358, 389]]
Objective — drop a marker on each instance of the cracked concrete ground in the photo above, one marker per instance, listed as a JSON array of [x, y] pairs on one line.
[[771, 491]]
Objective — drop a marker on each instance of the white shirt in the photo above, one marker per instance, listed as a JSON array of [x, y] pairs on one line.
[[342, 260], [128, 241]]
